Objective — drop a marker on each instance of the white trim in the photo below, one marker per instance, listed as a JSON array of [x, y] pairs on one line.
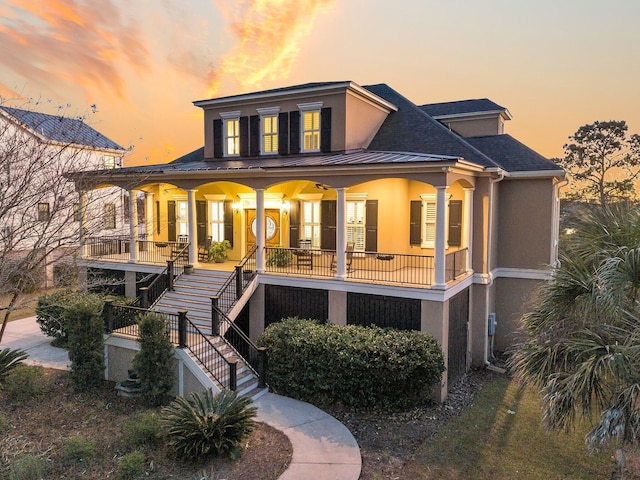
[[535, 174], [354, 197], [268, 111], [214, 197], [311, 106], [481, 113], [230, 115], [522, 273], [310, 197]]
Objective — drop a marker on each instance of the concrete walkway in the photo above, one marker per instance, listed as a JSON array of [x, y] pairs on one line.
[[323, 448]]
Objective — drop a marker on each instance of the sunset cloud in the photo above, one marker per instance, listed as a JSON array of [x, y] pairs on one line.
[[62, 42], [269, 35]]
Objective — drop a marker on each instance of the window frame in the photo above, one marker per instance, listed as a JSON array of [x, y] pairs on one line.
[[44, 211], [432, 198], [315, 130], [271, 113], [109, 162], [361, 200], [109, 220], [314, 224], [230, 118], [216, 226]]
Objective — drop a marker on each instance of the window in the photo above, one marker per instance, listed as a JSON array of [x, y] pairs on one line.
[[109, 161], [182, 217], [311, 222], [428, 219], [311, 131], [109, 215], [269, 134], [216, 221], [44, 213], [356, 223], [126, 207], [76, 212], [231, 133]]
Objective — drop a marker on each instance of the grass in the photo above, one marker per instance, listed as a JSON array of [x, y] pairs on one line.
[[500, 437], [26, 304]]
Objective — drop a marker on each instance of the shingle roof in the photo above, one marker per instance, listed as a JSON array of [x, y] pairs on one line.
[[512, 155], [412, 129], [61, 129], [461, 107]]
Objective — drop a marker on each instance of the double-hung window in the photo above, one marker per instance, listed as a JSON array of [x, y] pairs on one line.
[[311, 222], [310, 131], [109, 162], [429, 219], [44, 212], [109, 215], [356, 223], [216, 221], [182, 218], [269, 130], [231, 128]]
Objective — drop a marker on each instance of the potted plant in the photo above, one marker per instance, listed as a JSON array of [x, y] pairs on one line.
[[218, 251], [279, 257]]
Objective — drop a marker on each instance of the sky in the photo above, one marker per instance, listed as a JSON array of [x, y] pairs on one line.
[[135, 66]]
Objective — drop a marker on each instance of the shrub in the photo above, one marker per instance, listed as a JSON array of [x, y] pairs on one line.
[[78, 448], [154, 360], [4, 423], [86, 345], [142, 429], [24, 383], [358, 366], [211, 424], [131, 465], [28, 468], [10, 359], [65, 274]]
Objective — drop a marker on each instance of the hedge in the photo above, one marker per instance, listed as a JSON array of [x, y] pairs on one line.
[[363, 367]]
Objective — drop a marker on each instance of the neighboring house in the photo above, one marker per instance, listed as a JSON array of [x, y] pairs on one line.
[[39, 207], [417, 217]]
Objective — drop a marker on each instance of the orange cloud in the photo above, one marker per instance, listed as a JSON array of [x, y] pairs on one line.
[[269, 34], [54, 41]]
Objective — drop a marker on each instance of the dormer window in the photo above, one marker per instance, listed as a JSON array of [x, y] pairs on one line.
[[231, 128], [269, 130], [109, 162], [310, 131]]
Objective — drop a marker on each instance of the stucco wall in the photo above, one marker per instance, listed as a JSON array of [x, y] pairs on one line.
[[476, 127]]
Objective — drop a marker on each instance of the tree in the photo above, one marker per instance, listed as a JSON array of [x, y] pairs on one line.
[[581, 343], [602, 162], [39, 206]]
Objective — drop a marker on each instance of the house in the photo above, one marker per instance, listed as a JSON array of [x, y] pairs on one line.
[[40, 210], [364, 208]]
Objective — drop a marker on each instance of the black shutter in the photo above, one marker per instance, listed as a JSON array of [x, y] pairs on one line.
[[294, 132], [283, 133], [228, 221], [325, 132], [415, 214], [294, 224], [328, 224], [455, 223], [254, 135], [217, 139], [371, 227], [171, 220], [244, 136], [201, 221], [158, 223]]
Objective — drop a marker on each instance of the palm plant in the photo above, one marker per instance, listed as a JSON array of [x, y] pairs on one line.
[[581, 343], [10, 359], [209, 424]]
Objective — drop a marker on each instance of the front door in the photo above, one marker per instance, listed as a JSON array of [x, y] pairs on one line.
[[272, 227]]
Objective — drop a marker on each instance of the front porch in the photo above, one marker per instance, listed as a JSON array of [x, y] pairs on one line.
[[399, 269]]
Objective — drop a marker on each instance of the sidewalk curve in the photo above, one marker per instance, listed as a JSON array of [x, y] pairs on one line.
[[323, 448]]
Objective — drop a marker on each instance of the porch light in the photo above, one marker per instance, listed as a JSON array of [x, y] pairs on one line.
[[236, 207], [286, 206]]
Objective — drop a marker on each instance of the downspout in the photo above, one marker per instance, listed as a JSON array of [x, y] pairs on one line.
[[489, 338]]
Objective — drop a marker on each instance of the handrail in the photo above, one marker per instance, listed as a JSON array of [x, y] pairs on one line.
[[181, 257], [243, 346], [233, 288]]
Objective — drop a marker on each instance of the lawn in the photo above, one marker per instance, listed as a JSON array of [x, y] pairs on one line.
[[500, 437], [25, 306]]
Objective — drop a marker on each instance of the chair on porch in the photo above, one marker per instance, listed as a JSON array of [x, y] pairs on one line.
[[179, 247], [304, 256], [349, 257], [203, 250]]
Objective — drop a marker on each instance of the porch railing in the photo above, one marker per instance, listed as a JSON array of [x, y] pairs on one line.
[[234, 287], [118, 248], [372, 267], [183, 333]]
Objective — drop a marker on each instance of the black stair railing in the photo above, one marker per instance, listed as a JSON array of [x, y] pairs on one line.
[[233, 288]]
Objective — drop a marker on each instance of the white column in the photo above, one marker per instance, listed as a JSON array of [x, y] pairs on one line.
[[193, 226], [149, 212], [467, 222], [133, 227], [260, 230], [441, 233], [83, 230], [341, 234]]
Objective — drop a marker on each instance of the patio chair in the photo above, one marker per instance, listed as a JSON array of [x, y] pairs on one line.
[[349, 257], [203, 250], [304, 256], [178, 248]]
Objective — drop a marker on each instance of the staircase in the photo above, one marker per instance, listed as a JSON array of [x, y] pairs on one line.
[[192, 293]]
